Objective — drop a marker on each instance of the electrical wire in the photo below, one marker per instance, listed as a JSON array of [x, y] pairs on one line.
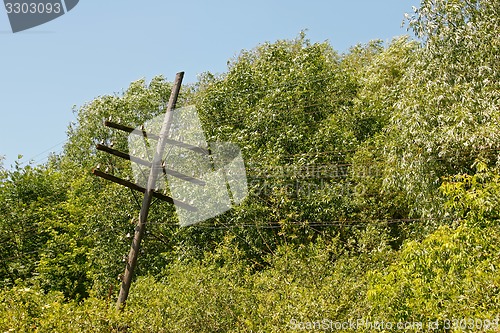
[[337, 223], [32, 159]]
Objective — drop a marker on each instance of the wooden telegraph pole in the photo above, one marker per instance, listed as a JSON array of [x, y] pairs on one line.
[[156, 166]]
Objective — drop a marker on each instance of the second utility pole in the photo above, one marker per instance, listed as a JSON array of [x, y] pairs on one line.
[[156, 167]]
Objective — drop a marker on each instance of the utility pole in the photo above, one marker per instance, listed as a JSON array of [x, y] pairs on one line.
[[156, 166], [199, 204]]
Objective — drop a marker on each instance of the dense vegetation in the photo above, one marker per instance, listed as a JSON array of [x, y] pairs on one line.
[[374, 193]]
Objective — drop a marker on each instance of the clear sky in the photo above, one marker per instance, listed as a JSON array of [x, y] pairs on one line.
[[99, 47]]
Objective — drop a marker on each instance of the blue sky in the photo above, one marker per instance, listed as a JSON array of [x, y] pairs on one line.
[[99, 47]]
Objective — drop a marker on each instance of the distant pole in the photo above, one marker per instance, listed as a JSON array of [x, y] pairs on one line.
[[156, 167]]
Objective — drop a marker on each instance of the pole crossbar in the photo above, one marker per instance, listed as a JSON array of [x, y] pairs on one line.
[[155, 137], [140, 161], [138, 188]]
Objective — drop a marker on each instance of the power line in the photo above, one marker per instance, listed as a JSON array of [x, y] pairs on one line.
[[32, 159], [338, 223], [270, 88]]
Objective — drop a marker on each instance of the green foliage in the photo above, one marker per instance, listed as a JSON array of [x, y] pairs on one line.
[[453, 273], [31, 310], [285, 105], [30, 200], [447, 112], [381, 84], [474, 198], [274, 96], [218, 294]]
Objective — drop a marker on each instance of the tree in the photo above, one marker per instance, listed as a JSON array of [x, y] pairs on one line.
[[445, 115]]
